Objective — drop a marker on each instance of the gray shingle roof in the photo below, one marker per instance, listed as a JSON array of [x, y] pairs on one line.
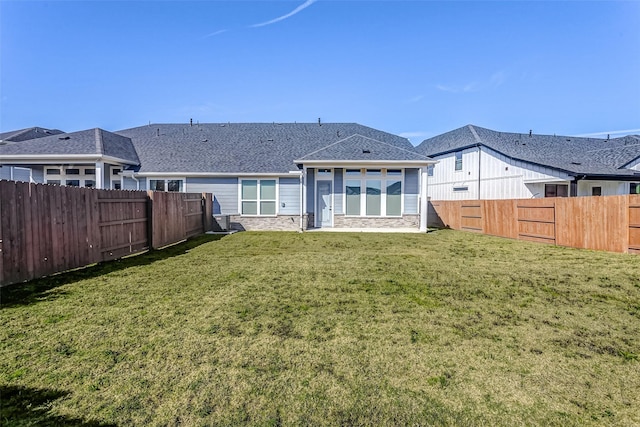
[[89, 142], [360, 148], [575, 155], [26, 134], [241, 147]]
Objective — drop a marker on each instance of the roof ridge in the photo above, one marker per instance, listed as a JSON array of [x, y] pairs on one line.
[[99, 142], [474, 133], [339, 142]]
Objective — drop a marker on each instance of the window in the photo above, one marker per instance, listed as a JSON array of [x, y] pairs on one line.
[[156, 184], [458, 160], [72, 171], [382, 195], [430, 170], [352, 191], [89, 171], [166, 185], [73, 182], [556, 190], [53, 171], [596, 191], [116, 185], [394, 197], [258, 196], [374, 192], [174, 185], [89, 183], [634, 188], [116, 171]]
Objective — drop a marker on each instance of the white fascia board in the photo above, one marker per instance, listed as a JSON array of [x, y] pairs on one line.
[[357, 163], [210, 174], [56, 159]]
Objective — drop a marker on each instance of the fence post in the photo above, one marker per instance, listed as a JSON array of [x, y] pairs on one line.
[[150, 219], [207, 213]]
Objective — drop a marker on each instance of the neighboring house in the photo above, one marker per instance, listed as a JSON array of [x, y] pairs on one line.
[[89, 158], [479, 163], [18, 173], [264, 176]]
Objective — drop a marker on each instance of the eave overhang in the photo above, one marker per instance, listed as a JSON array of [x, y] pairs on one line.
[[52, 159]]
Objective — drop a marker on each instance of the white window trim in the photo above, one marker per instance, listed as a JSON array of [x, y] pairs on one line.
[[258, 200], [383, 178], [166, 183]]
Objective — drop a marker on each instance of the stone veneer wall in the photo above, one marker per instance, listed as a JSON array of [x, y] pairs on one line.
[[406, 221], [268, 223]]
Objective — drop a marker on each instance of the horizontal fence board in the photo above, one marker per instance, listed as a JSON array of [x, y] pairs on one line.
[[46, 229]]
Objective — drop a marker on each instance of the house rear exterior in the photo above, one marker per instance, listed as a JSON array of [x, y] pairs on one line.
[[287, 176]]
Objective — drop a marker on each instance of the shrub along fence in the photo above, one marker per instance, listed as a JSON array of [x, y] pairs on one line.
[[45, 229], [610, 223]]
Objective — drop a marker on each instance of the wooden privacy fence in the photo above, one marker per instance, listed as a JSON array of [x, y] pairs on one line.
[[45, 229], [610, 223]]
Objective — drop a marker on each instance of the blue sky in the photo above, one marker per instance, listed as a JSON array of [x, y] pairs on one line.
[[413, 68]]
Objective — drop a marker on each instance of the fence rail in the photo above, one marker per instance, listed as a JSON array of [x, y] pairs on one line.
[[610, 223], [45, 229]]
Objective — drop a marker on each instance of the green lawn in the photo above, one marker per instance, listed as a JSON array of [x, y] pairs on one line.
[[445, 328]]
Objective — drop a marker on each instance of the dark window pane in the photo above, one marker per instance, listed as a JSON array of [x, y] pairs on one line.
[[72, 171], [73, 182], [53, 171]]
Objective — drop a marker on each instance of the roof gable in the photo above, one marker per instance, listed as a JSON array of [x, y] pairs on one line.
[[360, 148]]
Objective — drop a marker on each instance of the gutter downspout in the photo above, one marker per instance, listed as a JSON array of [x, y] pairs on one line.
[[303, 189], [424, 202], [573, 186], [132, 176], [479, 169], [301, 202]]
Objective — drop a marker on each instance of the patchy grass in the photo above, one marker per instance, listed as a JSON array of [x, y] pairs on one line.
[[446, 328]]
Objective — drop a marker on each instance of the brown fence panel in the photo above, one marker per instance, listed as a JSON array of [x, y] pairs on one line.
[[448, 213], [634, 224], [593, 222], [609, 223], [501, 218], [471, 218], [168, 220], [122, 222], [536, 220], [45, 229], [193, 208]]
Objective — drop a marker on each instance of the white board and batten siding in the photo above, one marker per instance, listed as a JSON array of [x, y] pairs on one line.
[[501, 178]]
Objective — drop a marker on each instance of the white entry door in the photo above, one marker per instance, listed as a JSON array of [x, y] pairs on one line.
[[323, 204]]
